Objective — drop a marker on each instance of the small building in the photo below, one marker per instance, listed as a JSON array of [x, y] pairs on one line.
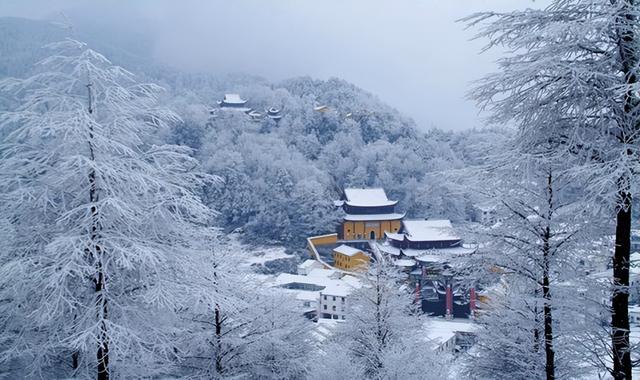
[[450, 336], [311, 288], [333, 303], [307, 266], [369, 214], [349, 258], [234, 102], [255, 116], [273, 114], [486, 214]]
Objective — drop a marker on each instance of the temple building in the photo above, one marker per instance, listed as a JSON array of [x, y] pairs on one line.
[[274, 114], [255, 116], [432, 247], [234, 102], [369, 214], [349, 258], [425, 234]]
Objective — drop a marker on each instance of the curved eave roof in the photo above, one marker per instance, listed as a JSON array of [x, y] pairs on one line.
[[430, 240], [372, 217], [232, 104], [392, 236], [381, 204]]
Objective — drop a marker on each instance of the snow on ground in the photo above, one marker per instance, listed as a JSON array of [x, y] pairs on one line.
[[252, 255], [262, 255]]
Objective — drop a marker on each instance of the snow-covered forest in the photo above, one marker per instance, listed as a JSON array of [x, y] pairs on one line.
[[165, 223]]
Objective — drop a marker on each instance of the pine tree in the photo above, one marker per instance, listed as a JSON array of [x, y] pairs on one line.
[[383, 336], [104, 223], [571, 80]]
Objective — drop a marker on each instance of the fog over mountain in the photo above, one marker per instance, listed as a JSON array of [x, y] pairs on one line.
[[398, 50], [286, 190]]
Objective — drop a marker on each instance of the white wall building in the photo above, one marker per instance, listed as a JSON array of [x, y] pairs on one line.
[[323, 291], [333, 303]]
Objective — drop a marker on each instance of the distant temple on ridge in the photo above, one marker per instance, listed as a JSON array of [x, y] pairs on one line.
[[234, 102]]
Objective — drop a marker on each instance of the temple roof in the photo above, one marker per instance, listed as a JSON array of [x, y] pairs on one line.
[[367, 198], [429, 230], [233, 99], [372, 217], [394, 236]]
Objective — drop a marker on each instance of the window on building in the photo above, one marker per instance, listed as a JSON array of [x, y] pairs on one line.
[[325, 298], [343, 317], [342, 299], [333, 308], [334, 298], [325, 307]]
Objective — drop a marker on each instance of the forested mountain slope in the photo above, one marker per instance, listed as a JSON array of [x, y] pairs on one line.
[[280, 178]]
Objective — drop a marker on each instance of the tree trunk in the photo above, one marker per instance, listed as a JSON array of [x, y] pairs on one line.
[[218, 356], [546, 291], [629, 57], [95, 252], [75, 355], [536, 322], [103, 348], [620, 299]]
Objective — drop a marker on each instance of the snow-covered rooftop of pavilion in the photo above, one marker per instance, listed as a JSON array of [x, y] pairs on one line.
[[438, 255], [347, 250], [367, 197], [233, 99], [429, 230], [405, 262], [439, 330]]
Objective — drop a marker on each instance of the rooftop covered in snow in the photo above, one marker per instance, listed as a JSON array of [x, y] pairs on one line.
[[232, 99], [347, 250], [367, 198], [429, 230]]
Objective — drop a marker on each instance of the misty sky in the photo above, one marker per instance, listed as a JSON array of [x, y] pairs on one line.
[[411, 53]]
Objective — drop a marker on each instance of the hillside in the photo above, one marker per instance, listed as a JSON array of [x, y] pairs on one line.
[[279, 179]]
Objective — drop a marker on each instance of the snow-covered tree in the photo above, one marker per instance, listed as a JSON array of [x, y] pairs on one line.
[[383, 336], [540, 252], [104, 224], [571, 80], [239, 330]]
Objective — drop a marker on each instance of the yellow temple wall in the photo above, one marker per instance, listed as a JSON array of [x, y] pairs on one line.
[[350, 263], [351, 230]]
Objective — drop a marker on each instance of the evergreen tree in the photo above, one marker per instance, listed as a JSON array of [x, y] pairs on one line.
[[104, 224], [572, 81]]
